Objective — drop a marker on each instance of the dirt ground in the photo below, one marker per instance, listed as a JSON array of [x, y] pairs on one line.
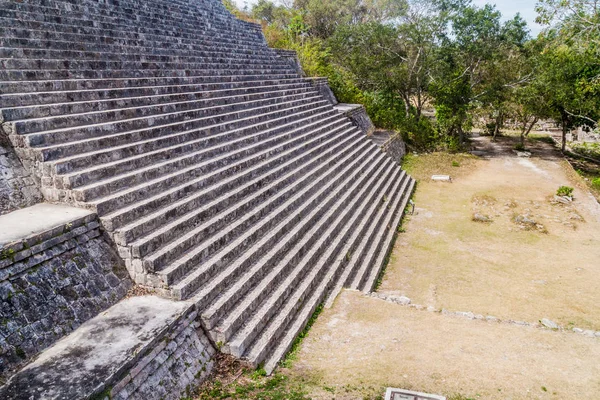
[[534, 258]]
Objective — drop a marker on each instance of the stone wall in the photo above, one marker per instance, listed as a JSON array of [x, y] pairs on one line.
[[17, 187], [319, 83], [291, 57], [395, 147], [322, 85], [358, 115], [181, 361], [52, 282]]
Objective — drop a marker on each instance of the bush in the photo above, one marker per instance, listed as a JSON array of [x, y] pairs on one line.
[[490, 128], [596, 183], [587, 149], [520, 147], [565, 191]]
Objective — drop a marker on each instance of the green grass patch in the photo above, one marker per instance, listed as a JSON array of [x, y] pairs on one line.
[[251, 384], [565, 191], [591, 150], [542, 138]]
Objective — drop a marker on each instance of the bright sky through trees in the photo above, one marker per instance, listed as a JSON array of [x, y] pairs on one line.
[[508, 8]]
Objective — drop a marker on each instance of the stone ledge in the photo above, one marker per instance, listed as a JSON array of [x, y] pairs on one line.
[[321, 83], [39, 223], [292, 59], [71, 283], [183, 358], [30, 236], [124, 346]]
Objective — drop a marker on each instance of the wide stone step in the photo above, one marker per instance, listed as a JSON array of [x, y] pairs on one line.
[[278, 337], [190, 203], [179, 94], [386, 245], [27, 103], [190, 24], [194, 164], [58, 44], [150, 107], [162, 24], [167, 254], [125, 64], [214, 273], [58, 85], [64, 74], [58, 59], [21, 47], [116, 39], [120, 158], [363, 259], [209, 56], [306, 250], [167, 122], [274, 276], [128, 214]]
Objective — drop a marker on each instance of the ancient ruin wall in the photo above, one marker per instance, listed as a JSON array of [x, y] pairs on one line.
[[52, 282], [17, 186]]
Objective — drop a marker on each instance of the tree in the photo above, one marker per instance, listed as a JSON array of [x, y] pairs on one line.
[[568, 61], [577, 19], [324, 17], [564, 74]]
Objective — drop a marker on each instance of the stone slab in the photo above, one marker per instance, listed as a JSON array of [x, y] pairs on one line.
[[401, 394], [39, 218], [93, 357], [345, 108]]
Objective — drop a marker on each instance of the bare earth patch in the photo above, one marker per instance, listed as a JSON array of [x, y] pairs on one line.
[[363, 345], [537, 258], [494, 242]]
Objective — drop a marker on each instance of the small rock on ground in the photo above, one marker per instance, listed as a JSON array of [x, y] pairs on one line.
[[549, 324]]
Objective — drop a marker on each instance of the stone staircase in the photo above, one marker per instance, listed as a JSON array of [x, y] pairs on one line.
[[222, 176]]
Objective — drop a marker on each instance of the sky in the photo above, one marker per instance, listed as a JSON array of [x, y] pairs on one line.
[[508, 8]]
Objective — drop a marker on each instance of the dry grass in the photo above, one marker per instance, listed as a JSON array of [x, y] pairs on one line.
[[527, 264], [544, 265], [363, 345], [423, 166]]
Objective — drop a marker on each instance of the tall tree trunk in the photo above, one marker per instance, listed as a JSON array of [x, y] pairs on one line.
[[497, 125], [523, 129], [461, 135], [565, 119], [535, 121]]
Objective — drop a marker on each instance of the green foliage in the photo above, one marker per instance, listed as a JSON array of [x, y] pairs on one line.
[[20, 353], [596, 183], [252, 385], [401, 58], [565, 191], [591, 150]]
